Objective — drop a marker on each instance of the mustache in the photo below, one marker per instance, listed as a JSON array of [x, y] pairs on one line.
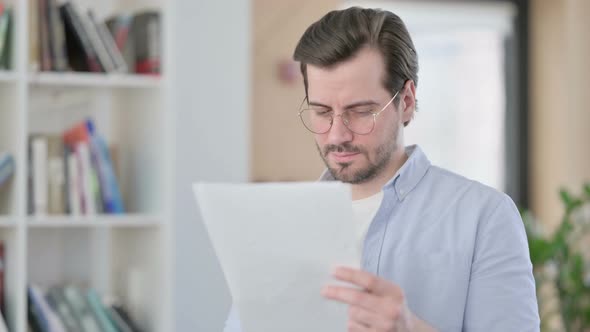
[[340, 148]]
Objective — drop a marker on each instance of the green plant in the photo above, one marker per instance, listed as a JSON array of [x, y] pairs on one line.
[[560, 261]]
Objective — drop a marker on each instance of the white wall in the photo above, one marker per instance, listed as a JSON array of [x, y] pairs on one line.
[[210, 89]]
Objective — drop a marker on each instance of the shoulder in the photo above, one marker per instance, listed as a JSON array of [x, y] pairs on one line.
[[443, 181]]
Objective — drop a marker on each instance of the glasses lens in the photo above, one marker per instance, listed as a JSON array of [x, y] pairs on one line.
[[360, 122], [316, 121]]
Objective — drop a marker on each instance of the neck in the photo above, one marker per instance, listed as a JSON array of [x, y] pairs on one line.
[[372, 187]]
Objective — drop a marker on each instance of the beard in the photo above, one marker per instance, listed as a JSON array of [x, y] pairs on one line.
[[344, 172]]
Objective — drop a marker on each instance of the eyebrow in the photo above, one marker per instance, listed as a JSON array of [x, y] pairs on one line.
[[350, 106]]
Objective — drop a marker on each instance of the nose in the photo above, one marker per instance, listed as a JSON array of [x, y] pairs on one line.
[[339, 133]]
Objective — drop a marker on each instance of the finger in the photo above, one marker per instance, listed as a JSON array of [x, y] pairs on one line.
[[367, 281], [357, 327], [352, 297], [372, 319]]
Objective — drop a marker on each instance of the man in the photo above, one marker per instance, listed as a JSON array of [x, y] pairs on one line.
[[439, 252]]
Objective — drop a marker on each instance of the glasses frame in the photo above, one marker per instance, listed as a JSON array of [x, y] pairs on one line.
[[344, 121]]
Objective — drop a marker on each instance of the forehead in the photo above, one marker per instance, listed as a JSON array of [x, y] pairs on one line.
[[360, 76]]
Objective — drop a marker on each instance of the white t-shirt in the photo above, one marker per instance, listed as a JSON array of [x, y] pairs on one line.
[[364, 211]]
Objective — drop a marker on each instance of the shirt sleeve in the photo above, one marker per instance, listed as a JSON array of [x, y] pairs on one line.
[[232, 324], [502, 295]]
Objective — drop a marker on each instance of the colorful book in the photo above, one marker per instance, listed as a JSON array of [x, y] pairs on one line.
[[58, 303], [81, 54], [80, 307], [6, 167], [6, 26], [55, 175], [117, 59], [148, 45], [102, 162], [43, 316], [57, 39], [45, 43], [100, 312], [74, 191], [39, 151]]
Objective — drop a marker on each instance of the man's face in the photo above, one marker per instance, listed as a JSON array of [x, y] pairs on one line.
[[351, 157]]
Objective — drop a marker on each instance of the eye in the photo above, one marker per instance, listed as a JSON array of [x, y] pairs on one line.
[[321, 112], [360, 113]]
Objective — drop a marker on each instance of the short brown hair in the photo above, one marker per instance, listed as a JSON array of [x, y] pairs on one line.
[[340, 34]]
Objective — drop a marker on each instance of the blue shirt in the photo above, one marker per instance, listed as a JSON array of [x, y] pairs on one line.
[[457, 248]]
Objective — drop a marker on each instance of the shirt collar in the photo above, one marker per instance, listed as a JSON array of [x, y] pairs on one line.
[[407, 177]]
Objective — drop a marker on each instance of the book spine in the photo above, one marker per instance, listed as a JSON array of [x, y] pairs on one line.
[[99, 311], [34, 35], [79, 305], [39, 148], [88, 198], [100, 48], [107, 39], [6, 167], [56, 176], [4, 21], [58, 42], [74, 23], [58, 304], [74, 194], [45, 51], [111, 195]]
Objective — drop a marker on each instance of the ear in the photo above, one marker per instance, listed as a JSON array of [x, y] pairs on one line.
[[408, 102]]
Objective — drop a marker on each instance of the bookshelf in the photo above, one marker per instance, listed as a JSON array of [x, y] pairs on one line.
[[127, 255], [94, 80]]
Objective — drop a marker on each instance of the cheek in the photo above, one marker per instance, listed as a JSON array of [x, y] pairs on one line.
[[320, 140]]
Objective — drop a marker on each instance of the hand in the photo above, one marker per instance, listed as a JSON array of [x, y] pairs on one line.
[[378, 305]]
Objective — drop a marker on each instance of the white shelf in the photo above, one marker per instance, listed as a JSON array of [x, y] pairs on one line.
[[105, 80], [111, 221], [7, 221], [7, 76], [100, 251]]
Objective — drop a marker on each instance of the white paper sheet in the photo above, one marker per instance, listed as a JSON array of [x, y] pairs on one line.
[[277, 244]]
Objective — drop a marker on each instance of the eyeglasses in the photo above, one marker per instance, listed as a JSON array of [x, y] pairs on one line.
[[360, 121]]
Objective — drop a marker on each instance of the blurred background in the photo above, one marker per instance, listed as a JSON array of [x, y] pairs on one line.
[[112, 109]]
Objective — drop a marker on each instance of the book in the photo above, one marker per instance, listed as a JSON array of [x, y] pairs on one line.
[[44, 42], [80, 307], [87, 177], [73, 180], [99, 47], [100, 312], [56, 175], [147, 31], [6, 24], [34, 52], [117, 59], [3, 326], [57, 39], [57, 301], [80, 52], [101, 161], [120, 28], [41, 315], [7, 167], [119, 311], [39, 151]]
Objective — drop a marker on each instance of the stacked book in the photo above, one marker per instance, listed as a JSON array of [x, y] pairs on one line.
[[72, 173], [71, 309], [66, 38], [6, 167], [6, 24]]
